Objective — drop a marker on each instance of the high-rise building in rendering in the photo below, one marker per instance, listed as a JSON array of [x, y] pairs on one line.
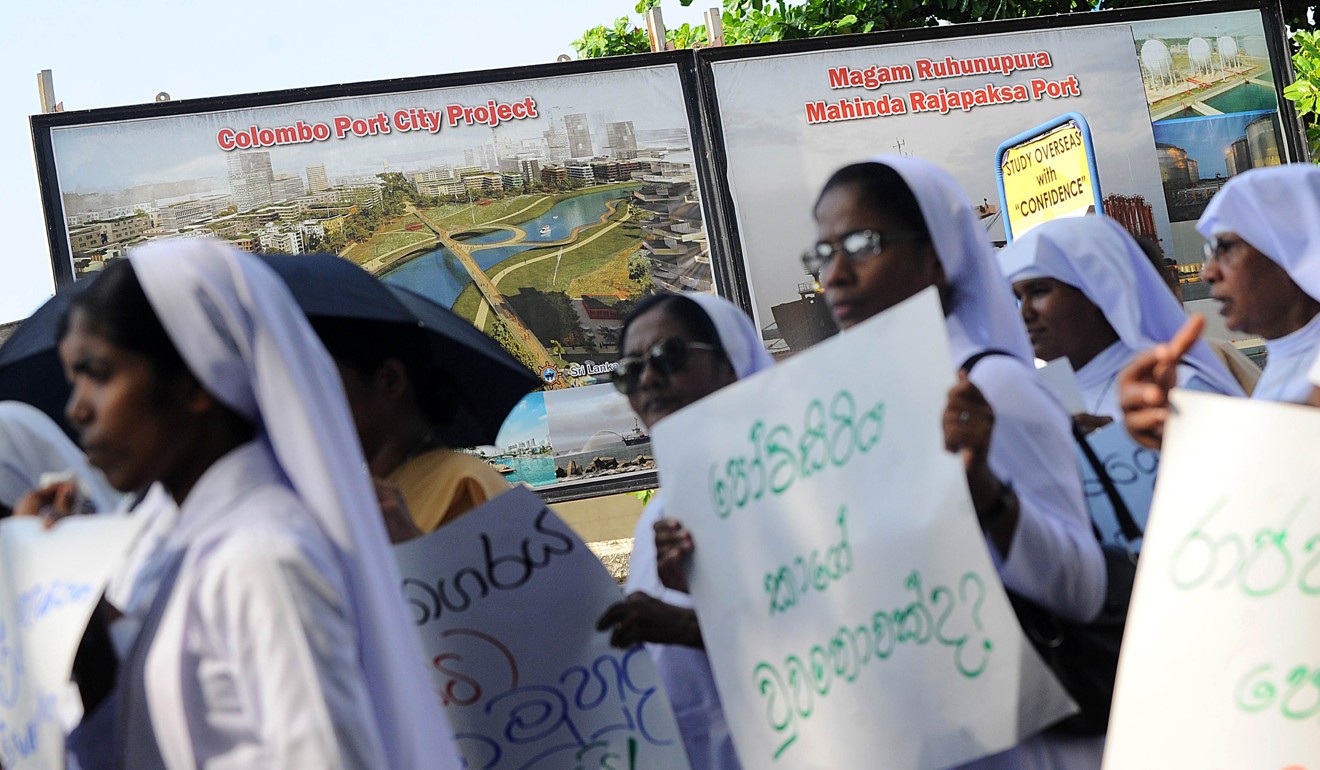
[[620, 137], [250, 176], [579, 135], [556, 143], [317, 181]]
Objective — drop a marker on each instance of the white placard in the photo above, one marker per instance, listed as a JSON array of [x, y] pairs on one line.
[[846, 594], [1221, 659], [1132, 468], [506, 600], [1060, 377], [50, 581]]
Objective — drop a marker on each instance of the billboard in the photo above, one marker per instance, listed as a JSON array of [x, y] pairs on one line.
[[953, 95], [540, 207]]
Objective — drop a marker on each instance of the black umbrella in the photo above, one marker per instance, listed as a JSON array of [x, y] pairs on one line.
[[478, 367], [30, 368], [488, 381]]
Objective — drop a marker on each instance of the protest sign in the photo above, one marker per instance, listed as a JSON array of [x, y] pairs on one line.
[[1132, 469], [50, 580], [1219, 666], [846, 594], [1060, 377], [506, 601]]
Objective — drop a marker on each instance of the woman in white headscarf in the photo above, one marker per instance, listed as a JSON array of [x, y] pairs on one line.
[[1275, 213], [1263, 265], [32, 445], [274, 636], [903, 225], [1088, 293], [677, 349]]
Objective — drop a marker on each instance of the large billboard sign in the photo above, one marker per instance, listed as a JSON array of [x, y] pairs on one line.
[[953, 95], [541, 208]]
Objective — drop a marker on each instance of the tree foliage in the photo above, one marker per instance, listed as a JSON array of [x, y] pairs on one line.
[[763, 21], [1305, 91]]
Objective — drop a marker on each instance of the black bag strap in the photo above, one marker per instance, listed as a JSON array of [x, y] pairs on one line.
[[972, 361], [1121, 511]]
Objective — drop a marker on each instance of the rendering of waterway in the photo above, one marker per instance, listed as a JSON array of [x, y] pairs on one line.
[[537, 471], [439, 276]]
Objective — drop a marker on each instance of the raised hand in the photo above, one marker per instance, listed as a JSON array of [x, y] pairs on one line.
[[1143, 387]]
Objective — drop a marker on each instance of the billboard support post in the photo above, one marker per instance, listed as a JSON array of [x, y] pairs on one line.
[[655, 30], [46, 92]]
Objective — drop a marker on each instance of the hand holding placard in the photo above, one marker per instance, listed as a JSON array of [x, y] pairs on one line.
[[848, 603], [506, 601], [50, 580]]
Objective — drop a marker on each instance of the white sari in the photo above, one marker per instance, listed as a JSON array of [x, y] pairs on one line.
[[685, 671], [1054, 559], [282, 641]]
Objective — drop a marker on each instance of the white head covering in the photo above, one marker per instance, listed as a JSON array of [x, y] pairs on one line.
[[1096, 256], [742, 345], [983, 315], [737, 334], [1276, 209], [237, 327], [32, 444]]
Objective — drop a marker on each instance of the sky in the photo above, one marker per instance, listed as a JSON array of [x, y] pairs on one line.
[[109, 53]]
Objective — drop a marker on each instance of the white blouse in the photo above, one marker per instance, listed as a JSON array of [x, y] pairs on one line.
[[255, 662], [1289, 358]]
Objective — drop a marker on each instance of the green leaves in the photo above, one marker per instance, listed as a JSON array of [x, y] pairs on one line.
[[612, 41], [1305, 90]]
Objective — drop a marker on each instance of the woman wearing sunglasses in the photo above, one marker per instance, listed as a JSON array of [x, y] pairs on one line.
[[270, 634], [891, 228], [677, 349]]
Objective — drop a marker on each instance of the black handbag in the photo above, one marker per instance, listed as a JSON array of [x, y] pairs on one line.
[[1084, 656]]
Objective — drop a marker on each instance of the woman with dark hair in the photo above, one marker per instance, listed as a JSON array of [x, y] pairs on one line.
[[677, 349], [270, 633], [400, 409], [1088, 293], [891, 228]]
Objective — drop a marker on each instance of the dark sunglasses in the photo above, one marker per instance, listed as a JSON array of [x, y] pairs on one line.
[[668, 356], [857, 246]]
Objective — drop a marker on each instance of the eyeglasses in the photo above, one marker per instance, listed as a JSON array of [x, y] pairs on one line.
[[857, 246], [668, 356], [1216, 249]]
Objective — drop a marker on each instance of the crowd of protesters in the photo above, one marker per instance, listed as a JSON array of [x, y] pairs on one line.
[[256, 621]]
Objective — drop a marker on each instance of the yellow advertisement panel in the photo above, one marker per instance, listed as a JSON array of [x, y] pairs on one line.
[[1047, 177]]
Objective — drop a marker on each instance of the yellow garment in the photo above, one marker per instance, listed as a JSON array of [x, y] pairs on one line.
[[440, 485]]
